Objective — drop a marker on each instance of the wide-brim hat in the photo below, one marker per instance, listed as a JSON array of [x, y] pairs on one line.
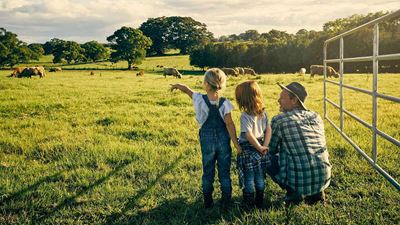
[[297, 90]]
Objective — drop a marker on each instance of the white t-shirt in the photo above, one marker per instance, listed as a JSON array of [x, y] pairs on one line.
[[257, 125], [201, 108]]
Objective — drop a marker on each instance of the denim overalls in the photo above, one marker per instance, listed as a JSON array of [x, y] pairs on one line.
[[215, 146]]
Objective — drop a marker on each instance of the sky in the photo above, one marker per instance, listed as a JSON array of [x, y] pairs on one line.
[[37, 21]]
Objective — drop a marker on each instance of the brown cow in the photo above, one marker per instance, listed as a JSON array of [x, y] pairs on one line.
[[240, 70], [250, 71], [172, 71], [55, 69], [17, 71], [230, 71], [319, 70], [140, 73], [29, 71]]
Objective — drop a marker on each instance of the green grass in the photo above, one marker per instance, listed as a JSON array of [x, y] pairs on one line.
[[114, 148]]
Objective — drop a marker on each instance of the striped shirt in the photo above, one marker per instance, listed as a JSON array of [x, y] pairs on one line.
[[299, 138]]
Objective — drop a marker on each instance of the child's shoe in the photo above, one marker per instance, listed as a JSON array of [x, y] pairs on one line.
[[208, 200], [259, 199]]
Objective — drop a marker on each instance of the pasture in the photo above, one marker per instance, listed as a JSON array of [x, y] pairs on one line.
[[113, 148]]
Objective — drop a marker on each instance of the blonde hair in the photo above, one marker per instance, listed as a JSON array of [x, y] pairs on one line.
[[249, 98], [216, 78]]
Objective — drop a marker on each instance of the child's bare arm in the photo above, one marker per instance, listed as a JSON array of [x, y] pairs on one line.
[[183, 88], [230, 125], [267, 136], [253, 141]]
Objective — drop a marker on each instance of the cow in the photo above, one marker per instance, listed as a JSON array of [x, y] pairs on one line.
[[230, 71], [140, 73], [319, 70], [33, 71], [302, 71], [240, 70], [55, 69], [172, 72], [250, 71], [17, 71]]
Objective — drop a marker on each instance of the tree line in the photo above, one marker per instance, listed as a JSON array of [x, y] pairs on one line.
[[273, 51], [278, 51]]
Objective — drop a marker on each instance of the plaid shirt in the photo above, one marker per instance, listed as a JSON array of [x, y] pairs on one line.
[[299, 138], [249, 160]]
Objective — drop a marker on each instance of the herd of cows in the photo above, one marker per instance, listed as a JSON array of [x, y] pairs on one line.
[[40, 71], [314, 70]]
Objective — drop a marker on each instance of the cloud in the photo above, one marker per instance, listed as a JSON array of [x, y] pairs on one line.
[[41, 20]]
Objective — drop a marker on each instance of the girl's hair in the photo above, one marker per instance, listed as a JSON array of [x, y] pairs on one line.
[[216, 78], [249, 98]]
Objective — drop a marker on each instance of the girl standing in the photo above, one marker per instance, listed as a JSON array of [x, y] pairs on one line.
[[255, 134], [213, 113]]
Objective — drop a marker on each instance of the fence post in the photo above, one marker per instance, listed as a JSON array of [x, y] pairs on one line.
[[325, 50], [341, 84], [375, 90]]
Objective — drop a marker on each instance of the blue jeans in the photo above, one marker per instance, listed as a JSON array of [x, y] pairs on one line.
[[216, 148], [254, 179]]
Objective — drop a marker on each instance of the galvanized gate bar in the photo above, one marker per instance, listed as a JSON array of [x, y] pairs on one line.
[[387, 97], [333, 82], [375, 58], [366, 58], [387, 137], [370, 161], [334, 104], [369, 126]]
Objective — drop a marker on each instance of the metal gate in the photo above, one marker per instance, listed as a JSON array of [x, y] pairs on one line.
[[375, 58]]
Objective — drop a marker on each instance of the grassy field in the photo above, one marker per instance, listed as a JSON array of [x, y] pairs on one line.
[[114, 148], [181, 62]]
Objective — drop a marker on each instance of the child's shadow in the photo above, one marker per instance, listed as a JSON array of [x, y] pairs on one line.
[[181, 211]]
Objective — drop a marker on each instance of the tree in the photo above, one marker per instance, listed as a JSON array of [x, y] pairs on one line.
[[37, 50], [68, 51], [12, 50], [95, 51], [73, 52], [50, 45], [249, 35], [156, 30], [186, 33], [129, 44], [183, 33]]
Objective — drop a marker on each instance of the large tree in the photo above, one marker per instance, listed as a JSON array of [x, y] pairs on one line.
[[155, 29], [129, 44], [95, 51], [37, 50], [12, 50], [183, 33], [49, 46], [69, 51], [186, 33]]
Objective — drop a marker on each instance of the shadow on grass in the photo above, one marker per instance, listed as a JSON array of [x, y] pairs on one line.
[[339, 152], [182, 211], [17, 196], [70, 201], [132, 202]]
